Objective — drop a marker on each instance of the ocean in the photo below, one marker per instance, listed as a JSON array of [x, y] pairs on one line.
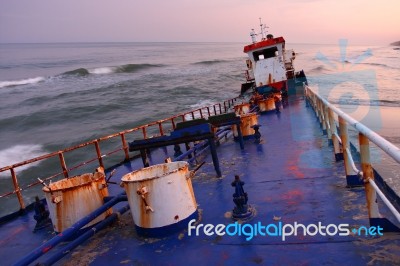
[[56, 95]]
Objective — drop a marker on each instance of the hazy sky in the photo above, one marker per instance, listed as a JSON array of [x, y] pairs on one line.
[[299, 21]]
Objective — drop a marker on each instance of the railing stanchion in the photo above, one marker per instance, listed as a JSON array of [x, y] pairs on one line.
[[160, 128], [319, 112], [368, 173], [17, 189], [326, 122], [63, 165], [98, 152], [345, 145], [335, 141], [125, 147], [144, 132], [173, 123]]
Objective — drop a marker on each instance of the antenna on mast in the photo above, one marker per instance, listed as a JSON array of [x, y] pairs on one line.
[[253, 36], [263, 27]]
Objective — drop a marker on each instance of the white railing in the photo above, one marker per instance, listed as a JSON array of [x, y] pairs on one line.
[[325, 112]]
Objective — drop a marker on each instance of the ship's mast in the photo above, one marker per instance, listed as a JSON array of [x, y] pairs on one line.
[[263, 27], [253, 34]]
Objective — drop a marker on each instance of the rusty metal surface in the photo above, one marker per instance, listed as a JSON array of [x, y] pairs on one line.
[[96, 142], [160, 195], [71, 199], [283, 180], [294, 179], [266, 105], [246, 122]]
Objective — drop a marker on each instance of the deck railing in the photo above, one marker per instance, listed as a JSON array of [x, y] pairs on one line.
[[161, 125], [325, 112]]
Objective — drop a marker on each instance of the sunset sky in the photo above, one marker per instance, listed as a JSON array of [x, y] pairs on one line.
[[366, 22]]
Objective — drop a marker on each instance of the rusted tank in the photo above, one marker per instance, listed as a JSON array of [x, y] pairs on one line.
[[71, 199], [242, 108], [161, 198], [246, 122], [266, 105]]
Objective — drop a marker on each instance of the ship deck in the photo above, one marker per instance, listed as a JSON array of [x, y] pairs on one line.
[[292, 176]]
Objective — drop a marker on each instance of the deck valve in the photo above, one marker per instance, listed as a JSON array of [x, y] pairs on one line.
[[242, 210], [257, 134]]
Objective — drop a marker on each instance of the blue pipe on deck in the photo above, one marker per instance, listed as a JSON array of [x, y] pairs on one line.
[[200, 145], [183, 155], [222, 135], [44, 248], [73, 244]]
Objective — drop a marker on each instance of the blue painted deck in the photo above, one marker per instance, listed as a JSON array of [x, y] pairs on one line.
[[292, 174]]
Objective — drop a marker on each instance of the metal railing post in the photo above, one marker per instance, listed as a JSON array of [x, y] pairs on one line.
[[98, 152], [173, 123], [125, 147], [345, 145], [144, 132], [320, 115], [368, 173], [63, 165], [160, 128], [17, 189], [328, 124], [335, 140]]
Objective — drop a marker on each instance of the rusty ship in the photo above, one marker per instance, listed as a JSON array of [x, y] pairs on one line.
[[267, 178]]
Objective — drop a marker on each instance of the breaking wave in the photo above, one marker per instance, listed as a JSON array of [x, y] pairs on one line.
[[128, 68], [209, 62], [21, 82], [81, 72], [19, 153], [318, 69], [102, 70], [76, 72]]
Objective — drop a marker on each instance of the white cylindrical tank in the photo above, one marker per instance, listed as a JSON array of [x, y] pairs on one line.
[[161, 198]]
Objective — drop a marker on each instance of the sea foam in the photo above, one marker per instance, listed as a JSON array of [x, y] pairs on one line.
[[20, 82], [102, 70], [19, 153]]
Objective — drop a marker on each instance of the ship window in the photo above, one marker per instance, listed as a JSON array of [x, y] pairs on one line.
[[266, 53]]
